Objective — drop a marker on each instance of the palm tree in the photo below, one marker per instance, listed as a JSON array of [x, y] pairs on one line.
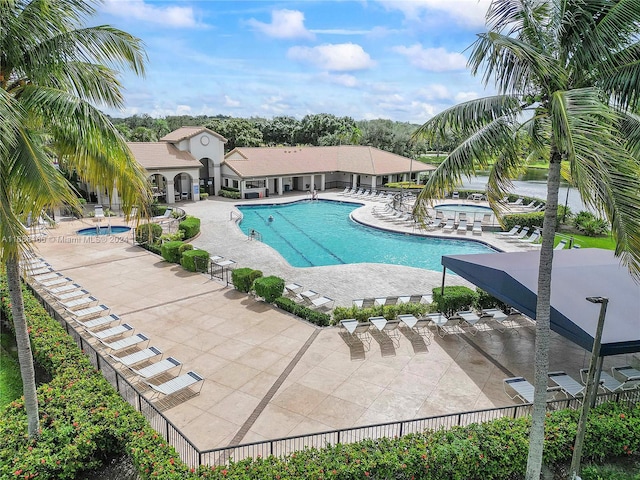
[[53, 71], [566, 74]]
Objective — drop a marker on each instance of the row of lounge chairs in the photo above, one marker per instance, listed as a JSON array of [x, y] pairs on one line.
[[621, 379], [367, 194], [105, 331], [392, 300], [356, 332], [309, 298]]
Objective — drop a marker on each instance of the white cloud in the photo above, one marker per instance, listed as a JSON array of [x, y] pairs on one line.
[[465, 96], [183, 110], [169, 16], [435, 92], [275, 105], [344, 79], [342, 57], [284, 24], [229, 102], [432, 59], [469, 13]]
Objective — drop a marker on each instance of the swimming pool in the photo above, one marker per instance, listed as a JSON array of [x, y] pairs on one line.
[[316, 233], [103, 230]]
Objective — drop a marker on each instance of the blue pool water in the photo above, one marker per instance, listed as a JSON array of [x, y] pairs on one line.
[[309, 234], [103, 230]]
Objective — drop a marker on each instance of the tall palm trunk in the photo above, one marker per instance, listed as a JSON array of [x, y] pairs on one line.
[[543, 320], [24, 346]]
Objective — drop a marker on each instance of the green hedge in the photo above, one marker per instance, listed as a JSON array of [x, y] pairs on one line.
[[319, 318], [531, 220], [171, 251], [195, 260], [269, 288], [83, 419], [229, 194], [389, 312], [454, 299], [243, 278], [190, 227]]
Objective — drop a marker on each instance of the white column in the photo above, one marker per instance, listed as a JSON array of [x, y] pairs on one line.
[[195, 191], [280, 186], [312, 180], [374, 182], [171, 194], [322, 181], [354, 180]]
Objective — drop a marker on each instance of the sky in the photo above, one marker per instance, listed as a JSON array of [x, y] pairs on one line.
[[403, 60]]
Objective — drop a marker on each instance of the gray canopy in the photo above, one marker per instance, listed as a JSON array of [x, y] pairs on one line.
[[512, 277]]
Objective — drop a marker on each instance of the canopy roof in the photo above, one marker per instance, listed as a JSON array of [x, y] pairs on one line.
[[577, 274]]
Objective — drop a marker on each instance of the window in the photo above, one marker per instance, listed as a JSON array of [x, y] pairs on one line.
[[235, 184], [226, 182], [255, 184]]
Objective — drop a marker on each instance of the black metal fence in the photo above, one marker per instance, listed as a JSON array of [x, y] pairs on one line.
[[194, 457]]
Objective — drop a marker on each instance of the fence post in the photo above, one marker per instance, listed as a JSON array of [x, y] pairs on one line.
[[401, 425]]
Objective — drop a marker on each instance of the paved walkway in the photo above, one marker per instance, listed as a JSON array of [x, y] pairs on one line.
[[269, 374]]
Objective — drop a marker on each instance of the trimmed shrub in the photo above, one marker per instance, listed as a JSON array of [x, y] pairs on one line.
[[170, 251], [455, 298], [190, 226], [318, 318], [243, 278], [195, 260], [269, 288], [229, 194], [184, 247], [148, 233], [388, 311], [488, 301], [204, 196], [531, 220]]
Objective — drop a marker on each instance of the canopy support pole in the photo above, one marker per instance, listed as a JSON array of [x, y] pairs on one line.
[[444, 272]]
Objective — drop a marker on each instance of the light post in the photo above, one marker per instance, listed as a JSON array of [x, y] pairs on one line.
[[590, 388]]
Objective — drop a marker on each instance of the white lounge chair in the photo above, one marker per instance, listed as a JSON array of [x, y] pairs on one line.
[[607, 382], [462, 226], [517, 203], [470, 319], [155, 369], [61, 289], [137, 357], [477, 227], [570, 387], [72, 305], [98, 212], [322, 303], [126, 342], [165, 217], [511, 232], [357, 332], [345, 191], [523, 389], [497, 316], [111, 332], [561, 244], [531, 239], [630, 375], [90, 312], [99, 322], [67, 296], [520, 235], [449, 225], [177, 384]]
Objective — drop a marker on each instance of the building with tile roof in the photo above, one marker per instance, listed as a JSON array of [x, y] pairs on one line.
[[191, 160]]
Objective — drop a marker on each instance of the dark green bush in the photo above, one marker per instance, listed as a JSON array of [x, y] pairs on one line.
[[230, 189], [171, 251], [388, 311], [531, 220], [184, 247], [229, 194], [148, 233], [488, 301], [243, 278], [589, 224], [190, 226], [318, 318], [269, 288], [195, 260], [455, 298]]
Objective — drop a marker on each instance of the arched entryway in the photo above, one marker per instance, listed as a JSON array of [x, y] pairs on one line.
[[182, 187], [158, 185], [207, 181]]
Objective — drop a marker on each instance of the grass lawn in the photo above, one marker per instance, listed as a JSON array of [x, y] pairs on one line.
[[10, 381], [607, 243]]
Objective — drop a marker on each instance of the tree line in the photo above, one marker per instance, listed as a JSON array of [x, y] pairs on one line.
[[321, 129]]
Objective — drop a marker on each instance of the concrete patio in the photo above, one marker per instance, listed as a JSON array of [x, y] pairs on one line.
[[269, 374]]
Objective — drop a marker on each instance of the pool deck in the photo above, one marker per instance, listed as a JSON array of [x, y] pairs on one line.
[[269, 374]]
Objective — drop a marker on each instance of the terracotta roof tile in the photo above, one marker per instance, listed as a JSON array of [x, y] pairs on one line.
[[268, 161], [153, 155], [183, 133]]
